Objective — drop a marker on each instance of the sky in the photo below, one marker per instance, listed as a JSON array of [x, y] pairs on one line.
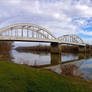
[[60, 17]]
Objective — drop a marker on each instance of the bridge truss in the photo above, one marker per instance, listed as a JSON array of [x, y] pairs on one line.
[[71, 39]]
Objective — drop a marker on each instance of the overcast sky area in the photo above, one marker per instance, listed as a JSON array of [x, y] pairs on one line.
[[61, 17]]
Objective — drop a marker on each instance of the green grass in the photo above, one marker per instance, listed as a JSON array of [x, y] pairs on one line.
[[22, 78]]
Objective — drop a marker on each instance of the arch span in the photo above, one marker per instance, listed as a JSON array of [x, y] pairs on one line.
[[71, 39], [27, 31]]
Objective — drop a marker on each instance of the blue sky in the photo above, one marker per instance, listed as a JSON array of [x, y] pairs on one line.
[[58, 16]]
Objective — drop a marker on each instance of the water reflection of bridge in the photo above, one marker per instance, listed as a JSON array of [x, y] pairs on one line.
[[67, 67], [56, 59]]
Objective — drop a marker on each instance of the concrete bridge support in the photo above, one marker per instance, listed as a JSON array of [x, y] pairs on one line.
[[55, 48], [55, 59], [82, 49]]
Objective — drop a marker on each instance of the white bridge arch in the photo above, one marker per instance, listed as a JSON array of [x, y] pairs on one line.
[[34, 33], [26, 32], [71, 39]]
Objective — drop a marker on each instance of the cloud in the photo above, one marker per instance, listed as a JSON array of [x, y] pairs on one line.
[[14, 1], [59, 16]]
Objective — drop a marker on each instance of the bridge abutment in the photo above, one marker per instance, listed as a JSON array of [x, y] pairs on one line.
[[55, 48]]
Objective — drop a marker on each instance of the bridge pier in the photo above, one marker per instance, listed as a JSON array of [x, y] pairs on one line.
[[82, 49], [55, 48], [55, 59]]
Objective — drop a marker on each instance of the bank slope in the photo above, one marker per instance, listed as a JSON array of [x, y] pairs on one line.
[[22, 78]]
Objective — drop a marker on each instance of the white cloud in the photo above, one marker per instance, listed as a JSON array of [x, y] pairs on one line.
[[15, 2], [86, 33], [56, 15], [60, 16]]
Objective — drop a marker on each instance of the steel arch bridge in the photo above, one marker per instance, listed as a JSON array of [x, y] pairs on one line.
[[34, 33], [26, 32], [71, 39]]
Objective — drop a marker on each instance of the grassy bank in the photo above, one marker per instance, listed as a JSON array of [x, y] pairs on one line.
[[21, 78]]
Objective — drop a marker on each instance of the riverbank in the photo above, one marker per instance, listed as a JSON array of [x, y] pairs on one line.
[[22, 78]]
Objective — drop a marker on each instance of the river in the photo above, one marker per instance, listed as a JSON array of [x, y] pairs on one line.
[[70, 64]]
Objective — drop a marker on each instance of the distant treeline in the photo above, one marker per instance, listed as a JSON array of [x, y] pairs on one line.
[[34, 48], [47, 48]]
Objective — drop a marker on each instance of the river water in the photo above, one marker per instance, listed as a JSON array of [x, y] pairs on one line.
[[70, 64]]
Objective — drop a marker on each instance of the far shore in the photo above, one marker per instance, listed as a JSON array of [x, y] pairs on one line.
[[65, 48]]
